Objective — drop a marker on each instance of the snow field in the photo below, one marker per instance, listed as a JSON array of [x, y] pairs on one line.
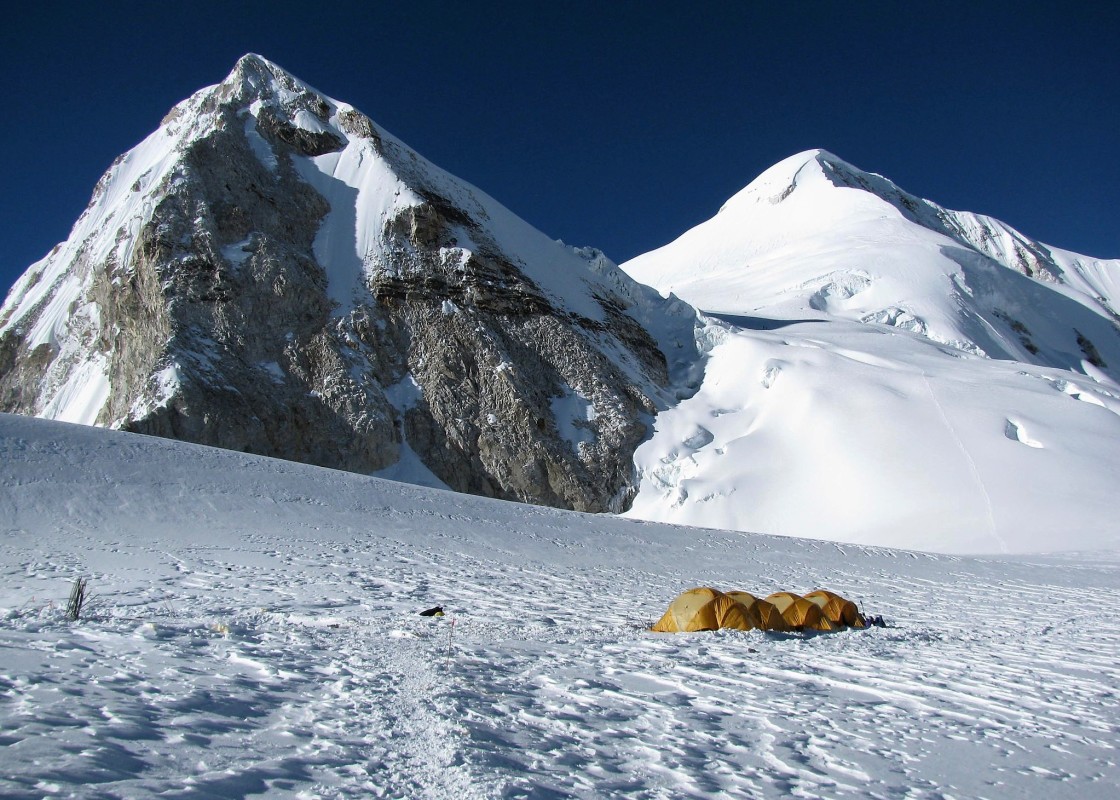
[[860, 433], [937, 426], [254, 630]]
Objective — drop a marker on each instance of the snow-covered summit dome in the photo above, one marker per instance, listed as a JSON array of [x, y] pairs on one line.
[[814, 237]]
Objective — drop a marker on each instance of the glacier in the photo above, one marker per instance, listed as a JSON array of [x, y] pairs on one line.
[[882, 371]]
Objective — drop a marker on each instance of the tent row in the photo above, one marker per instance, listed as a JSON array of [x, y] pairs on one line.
[[707, 609]]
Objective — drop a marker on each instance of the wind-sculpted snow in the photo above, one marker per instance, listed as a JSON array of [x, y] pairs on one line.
[[254, 630], [858, 433]]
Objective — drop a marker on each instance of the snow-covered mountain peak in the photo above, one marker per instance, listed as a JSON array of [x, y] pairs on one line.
[[814, 237], [256, 69], [894, 371], [806, 179], [776, 183], [254, 77], [270, 271]]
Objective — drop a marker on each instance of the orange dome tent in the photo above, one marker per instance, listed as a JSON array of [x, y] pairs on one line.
[[837, 609], [706, 609], [800, 613]]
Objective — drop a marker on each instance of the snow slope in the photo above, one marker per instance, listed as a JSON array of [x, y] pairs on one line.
[[254, 630], [814, 237], [858, 433], [884, 371]]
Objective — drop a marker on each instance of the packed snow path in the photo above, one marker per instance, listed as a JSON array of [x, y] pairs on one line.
[[254, 630]]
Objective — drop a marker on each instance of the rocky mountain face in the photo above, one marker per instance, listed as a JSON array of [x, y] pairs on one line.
[[272, 272]]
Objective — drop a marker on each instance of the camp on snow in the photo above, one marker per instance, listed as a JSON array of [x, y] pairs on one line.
[[708, 609]]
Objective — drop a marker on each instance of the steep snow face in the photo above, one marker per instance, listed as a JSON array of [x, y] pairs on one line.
[[815, 238], [263, 269], [51, 309]]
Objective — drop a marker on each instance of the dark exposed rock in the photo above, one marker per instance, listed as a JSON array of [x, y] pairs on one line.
[[358, 124], [214, 321], [1090, 350], [309, 143]]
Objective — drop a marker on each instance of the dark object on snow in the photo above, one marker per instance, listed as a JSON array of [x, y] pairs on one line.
[[433, 612], [77, 600], [876, 621]]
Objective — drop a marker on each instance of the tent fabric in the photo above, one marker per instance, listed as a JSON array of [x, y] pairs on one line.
[[706, 609], [771, 618], [746, 598], [837, 609], [800, 613]]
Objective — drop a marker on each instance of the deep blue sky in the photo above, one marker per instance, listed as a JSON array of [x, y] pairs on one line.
[[617, 125]]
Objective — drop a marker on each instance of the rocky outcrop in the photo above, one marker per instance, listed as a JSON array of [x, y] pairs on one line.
[[280, 276]]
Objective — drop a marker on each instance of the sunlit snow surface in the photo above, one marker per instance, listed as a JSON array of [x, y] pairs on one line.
[[849, 432], [254, 630], [890, 373]]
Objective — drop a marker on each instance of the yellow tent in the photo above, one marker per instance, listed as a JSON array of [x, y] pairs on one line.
[[706, 609], [800, 613], [772, 619], [836, 608]]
